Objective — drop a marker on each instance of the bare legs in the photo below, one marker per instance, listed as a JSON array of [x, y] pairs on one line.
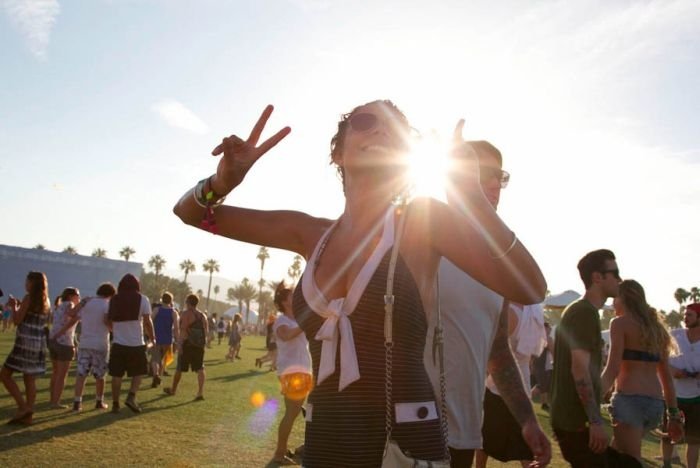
[[292, 408], [58, 381], [628, 439], [24, 403]]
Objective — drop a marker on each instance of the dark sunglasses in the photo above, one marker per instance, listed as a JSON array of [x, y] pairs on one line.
[[487, 173], [615, 272], [363, 121]]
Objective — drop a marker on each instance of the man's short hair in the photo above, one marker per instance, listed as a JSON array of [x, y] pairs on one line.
[[192, 300], [695, 307], [593, 262], [106, 290], [167, 298], [482, 147]]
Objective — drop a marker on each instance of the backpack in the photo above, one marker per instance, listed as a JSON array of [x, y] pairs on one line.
[[196, 336]]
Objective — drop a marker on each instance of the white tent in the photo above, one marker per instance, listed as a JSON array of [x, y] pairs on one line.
[[252, 317], [561, 300]]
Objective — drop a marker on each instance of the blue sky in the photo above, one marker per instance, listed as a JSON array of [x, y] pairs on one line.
[[109, 109]]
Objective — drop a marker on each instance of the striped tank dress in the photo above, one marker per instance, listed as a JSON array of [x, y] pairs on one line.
[[346, 428]]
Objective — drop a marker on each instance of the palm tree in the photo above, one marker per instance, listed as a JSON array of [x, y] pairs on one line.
[[200, 293], [236, 294], [40, 247], [681, 295], [99, 253], [263, 255], [187, 266], [157, 263], [216, 291], [294, 271], [247, 294], [694, 294], [70, 250], [126, 253], [211, 266]]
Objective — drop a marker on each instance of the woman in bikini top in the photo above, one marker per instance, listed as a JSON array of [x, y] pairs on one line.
[[370, 153], [638, 368]]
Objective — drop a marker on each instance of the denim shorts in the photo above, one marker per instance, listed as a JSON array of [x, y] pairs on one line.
[[636, 410]]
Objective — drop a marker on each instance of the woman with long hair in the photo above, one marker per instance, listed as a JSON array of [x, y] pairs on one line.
[[293, 369], [235, 338], [28, 355], [640, 346], [62, 344], [339, 302]]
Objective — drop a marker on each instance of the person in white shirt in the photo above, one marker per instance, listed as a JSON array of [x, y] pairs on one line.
[[685, 368], [94, 344], [129, 315], [293, 369], [475, 324], [61, 344]]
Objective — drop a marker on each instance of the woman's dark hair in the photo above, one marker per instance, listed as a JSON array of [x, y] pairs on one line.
[[339, 137], [167, 298], [192, 300], [38, 292], [282, 291], [68, 293], [106, 290], [655, 336]]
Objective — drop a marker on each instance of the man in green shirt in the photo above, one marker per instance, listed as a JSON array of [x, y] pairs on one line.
[[575, 409]]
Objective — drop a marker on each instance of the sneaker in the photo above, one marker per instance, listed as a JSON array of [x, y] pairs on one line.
[[115, 407], [101, 405], [156, 382], [133, 406], [77, 406]]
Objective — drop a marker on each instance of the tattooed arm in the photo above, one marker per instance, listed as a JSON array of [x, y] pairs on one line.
[[506, 374], [580, 362]]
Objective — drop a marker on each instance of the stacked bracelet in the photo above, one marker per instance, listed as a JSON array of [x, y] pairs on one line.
[[205, 197]]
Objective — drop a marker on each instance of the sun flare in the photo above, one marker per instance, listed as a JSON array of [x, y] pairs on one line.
[[429, 166]]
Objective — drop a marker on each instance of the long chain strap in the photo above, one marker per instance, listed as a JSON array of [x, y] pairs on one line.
[[438, 344], [389, 340], [388, 320]]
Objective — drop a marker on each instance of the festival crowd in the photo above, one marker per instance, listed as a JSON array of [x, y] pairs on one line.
[[416, 335]]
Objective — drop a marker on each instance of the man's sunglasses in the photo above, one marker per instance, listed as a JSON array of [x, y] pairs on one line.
[[487, 173], [615, 272]]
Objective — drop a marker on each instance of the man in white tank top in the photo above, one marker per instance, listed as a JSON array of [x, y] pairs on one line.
[[475, 324]]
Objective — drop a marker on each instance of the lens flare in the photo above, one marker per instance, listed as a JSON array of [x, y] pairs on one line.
[[257, 399]]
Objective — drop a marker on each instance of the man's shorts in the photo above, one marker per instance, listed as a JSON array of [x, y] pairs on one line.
[[692, 421], [502, 435], [129, 359], [92, 359], [190, 357], [639, 411], [59, 352]]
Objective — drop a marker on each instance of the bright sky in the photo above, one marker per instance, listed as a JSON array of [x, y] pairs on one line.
[[109, 110]]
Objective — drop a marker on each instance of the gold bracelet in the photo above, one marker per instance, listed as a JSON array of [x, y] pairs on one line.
[[507, 251]]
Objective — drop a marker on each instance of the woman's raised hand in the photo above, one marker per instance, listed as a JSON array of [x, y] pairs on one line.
[[239, 155]]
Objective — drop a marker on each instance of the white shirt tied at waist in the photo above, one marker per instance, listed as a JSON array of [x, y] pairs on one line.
[[336, 325]]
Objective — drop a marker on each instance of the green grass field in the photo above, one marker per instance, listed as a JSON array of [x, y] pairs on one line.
[[224, 430]]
